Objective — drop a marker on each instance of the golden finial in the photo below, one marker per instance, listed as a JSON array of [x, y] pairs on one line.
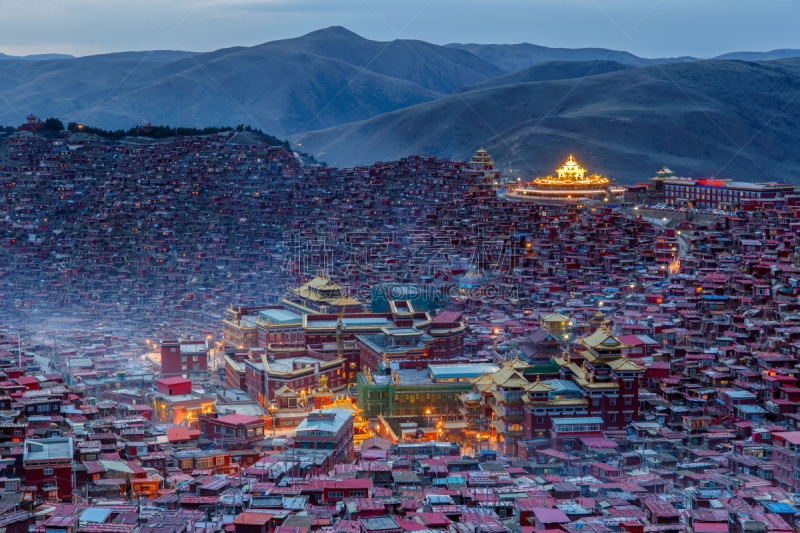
[[538, 378]]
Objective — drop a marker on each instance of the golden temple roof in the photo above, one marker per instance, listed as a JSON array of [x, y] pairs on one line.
[[483, 379], [556, 317], [323, 284], [286, 392], [572, 174], [625, 365], [516, 364], [571, 169], [344, 403], [508, 377], [603, 339], [538, 386]]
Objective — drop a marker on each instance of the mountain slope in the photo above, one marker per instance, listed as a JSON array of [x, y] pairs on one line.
[[323, 79], [35, 57], [555, 70], [761, 56], [692, 117], [513, 57]]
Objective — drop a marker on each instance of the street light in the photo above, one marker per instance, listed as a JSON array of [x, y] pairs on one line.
[[271, 410]]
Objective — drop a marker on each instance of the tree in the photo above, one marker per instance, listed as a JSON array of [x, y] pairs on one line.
[[54, 124]]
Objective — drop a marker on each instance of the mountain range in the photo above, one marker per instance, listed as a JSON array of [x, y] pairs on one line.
[[350, 100], [732, 118]]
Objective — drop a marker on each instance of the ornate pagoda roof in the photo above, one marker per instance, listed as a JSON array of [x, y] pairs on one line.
[[556, 317], [571, 169], [603, 339], [539, 386], [625, 365]]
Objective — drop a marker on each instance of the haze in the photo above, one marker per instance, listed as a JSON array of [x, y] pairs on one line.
[[657, 28]]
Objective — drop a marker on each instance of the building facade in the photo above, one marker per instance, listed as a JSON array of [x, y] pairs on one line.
[[328, 429], [725, 195], [234, 432], [188, 359], [48, 466]]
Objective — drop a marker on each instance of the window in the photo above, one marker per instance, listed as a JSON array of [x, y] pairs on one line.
[[358, 494], [204, 463], [613, 418], [540, 420], [336, 494], [628, 401], [596, 402], [186, 463], [184, 367], [220, 461], [11, 485], [612, 402], [47, 472], [629, 384], [628, 417]]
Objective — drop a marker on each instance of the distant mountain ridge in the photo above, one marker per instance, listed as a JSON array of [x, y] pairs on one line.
[[512, 57], [36, 57], [783, 53]]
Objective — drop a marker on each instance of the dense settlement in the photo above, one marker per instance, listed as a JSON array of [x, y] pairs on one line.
[[208, 334]]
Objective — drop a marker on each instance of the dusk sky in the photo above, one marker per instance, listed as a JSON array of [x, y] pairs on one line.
[[700, 28]]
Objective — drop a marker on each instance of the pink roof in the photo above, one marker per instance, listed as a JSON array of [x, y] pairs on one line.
[[710, 527], [792, 437], [597, 442], [181, 433], [447, 316], [238, 419], [551, 516], [173, 381]]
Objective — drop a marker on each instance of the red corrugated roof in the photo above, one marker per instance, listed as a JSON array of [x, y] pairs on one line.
[[253, 519], [174, 381]]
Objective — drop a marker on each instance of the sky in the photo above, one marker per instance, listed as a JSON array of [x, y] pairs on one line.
[[647, 28]]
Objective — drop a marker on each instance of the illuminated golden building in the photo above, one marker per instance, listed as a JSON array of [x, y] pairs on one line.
[[570, 185], [481, 160]]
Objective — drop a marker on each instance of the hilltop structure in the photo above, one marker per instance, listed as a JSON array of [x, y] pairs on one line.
[[571, 185]]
